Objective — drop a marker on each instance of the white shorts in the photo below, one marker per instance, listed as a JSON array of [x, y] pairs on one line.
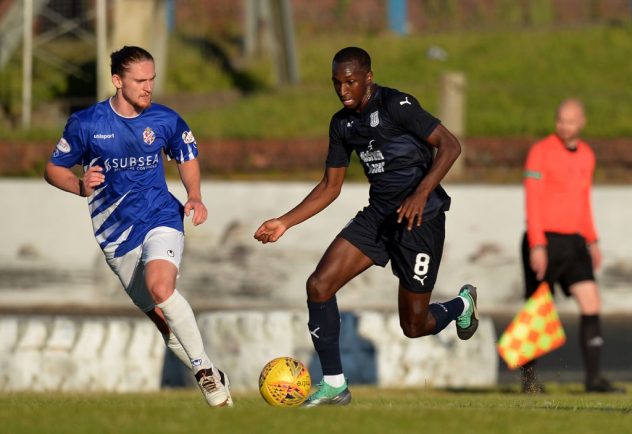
[[160, 243]]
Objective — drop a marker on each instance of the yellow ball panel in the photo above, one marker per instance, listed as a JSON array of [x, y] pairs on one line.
[[284, 382]]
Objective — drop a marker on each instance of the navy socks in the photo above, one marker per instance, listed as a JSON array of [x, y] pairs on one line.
[[324, 327], [444, 313]]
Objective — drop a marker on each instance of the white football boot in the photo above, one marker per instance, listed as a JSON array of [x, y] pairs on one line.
[[215, 386]]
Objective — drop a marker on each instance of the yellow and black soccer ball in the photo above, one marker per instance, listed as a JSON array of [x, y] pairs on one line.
[[284, 382]]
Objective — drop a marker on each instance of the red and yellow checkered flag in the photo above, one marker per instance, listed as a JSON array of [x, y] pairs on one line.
[[534, 331]]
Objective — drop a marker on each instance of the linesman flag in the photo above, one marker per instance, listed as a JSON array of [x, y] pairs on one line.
[[534, 331]]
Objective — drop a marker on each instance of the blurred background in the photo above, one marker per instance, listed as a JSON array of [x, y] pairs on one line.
[[240, 71], [253, 80]]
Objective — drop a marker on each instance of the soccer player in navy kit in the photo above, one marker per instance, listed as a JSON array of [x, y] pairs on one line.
[[137, 222], [404, 221]]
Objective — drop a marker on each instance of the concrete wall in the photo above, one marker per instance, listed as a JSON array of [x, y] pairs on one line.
[[49, 230], [250, 299], [69, 353], [41, 353]]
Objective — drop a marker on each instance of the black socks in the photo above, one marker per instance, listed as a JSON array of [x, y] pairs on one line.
[[590, 342], [324, 327], [444, 313]]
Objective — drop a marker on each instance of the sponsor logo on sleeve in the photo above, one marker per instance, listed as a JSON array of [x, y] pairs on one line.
[[63, 146], [532, 174], [188, 138]]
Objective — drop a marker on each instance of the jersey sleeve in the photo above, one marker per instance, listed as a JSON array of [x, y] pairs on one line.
[[405, 111], [534, 192], [71, 147], [181, 146], [338, 154]]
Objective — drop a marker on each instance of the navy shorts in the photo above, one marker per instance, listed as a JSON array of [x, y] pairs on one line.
[[415, 255], [569, 262]]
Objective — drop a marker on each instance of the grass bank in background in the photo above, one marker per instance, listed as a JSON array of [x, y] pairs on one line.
[[515, 79], [514, 82]]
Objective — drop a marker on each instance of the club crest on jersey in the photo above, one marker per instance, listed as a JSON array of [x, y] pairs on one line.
[[375, 119], [188, 138], [149, 136], [63, 146]]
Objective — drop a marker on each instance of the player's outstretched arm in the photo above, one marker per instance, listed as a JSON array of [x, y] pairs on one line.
[[448, 150], [64, 179], [190, 176], [325, 192]]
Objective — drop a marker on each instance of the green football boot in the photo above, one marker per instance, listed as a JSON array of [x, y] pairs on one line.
[[328, 395], [467, 322]]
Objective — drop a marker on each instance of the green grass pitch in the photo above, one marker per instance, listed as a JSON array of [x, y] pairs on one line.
[[563, 410]]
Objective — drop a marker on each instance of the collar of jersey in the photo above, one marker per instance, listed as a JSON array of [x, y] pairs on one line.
[[120, 115]]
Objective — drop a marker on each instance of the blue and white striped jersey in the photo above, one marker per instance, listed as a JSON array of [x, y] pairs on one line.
[[134, 197]]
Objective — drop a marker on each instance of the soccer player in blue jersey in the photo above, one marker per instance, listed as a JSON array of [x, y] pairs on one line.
[[137, 222], [404, 222]]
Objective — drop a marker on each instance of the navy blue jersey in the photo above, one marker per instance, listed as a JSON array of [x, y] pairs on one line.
[[134, 197], [390, 138]]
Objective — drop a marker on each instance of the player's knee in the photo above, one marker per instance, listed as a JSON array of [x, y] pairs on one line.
[[414, 329], [160, 292], [593, 309], [318, 290]]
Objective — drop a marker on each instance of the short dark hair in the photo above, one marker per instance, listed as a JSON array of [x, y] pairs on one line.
[[350, 54], [121, 59]]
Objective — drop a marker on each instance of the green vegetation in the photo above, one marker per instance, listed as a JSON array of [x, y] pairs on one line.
[[515, 80], [372, 411]]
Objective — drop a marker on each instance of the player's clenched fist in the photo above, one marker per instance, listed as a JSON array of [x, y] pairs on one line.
[[92, 178]]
